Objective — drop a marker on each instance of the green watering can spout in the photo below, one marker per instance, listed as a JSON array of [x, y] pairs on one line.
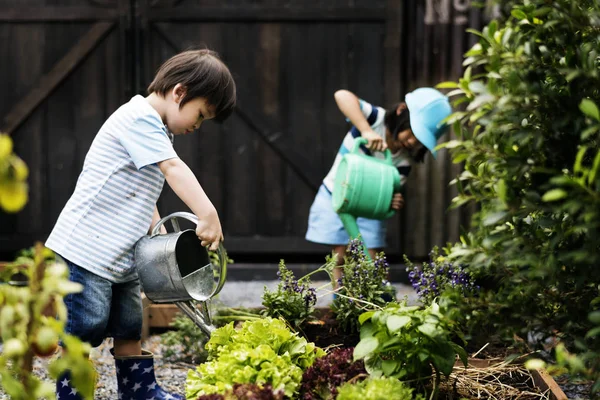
[[364, 187]]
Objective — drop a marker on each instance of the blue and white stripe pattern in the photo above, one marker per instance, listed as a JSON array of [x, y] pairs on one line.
[[116, 192], [375, 116]]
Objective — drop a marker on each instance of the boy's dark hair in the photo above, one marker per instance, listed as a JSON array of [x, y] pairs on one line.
[[203, 74], [398, 123]]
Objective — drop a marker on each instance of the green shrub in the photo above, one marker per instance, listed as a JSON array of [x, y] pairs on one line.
[[529, 137]]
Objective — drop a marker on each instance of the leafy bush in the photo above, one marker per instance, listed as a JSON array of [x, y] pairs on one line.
[[439, 276], [363, 286], [381, 388], [262, 351], [322, 379], [32, 321], [293, 300], [13, 175], [529, 137], [407, 342], [185, 341]]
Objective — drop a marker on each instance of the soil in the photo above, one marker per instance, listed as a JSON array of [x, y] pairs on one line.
[[325, 332]]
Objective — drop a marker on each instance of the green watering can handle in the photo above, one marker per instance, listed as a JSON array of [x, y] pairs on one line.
[[362, 140]]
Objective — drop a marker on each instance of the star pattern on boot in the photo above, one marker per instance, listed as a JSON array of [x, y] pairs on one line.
[[134, 367]]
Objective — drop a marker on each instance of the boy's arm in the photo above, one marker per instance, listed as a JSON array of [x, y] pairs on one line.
[[155, 219], [349, 105], [184, 183]]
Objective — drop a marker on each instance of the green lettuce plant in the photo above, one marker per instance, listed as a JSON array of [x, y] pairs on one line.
[[263, 351], [381, 388]]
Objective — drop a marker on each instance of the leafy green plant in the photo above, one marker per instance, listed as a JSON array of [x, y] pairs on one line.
[[246, 391], [32, 320], [381, 388], [438, 276], [262, 351], [321, 380], [185, 341], [407, 343], [529, 136], [293, 300], [13, 176], [363, 286]]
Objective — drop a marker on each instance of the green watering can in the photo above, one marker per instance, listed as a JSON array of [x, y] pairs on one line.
[[363, 187]]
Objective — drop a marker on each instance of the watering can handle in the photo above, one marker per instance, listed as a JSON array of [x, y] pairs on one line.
[[361, 140], [222, 253]]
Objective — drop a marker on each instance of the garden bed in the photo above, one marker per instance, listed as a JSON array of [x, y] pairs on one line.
[[485, 378]]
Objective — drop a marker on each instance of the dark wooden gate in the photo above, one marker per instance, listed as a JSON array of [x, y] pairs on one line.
[[68, 65], [262, 168], [64, 69]]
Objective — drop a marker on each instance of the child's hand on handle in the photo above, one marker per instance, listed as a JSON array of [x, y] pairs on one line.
[[376, 142], [397, 201], [209, 231]]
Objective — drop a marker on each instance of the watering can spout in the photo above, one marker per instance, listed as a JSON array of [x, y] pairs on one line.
[[351, 226]]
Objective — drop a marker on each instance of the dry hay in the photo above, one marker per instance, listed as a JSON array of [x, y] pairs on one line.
[[500, 380]]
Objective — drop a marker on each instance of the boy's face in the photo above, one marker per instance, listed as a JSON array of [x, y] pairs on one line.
[[404, 140], [188, 118]]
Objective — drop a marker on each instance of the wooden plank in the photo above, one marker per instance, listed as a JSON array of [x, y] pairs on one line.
[[545, 382], [278, 142], [271, 170], [59, 72], [241, 13], [21, 14]]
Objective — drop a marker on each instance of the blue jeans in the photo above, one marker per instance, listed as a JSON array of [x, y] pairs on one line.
[[104, 309]]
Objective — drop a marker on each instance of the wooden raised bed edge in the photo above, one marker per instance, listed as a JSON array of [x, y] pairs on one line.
[[161, 315]]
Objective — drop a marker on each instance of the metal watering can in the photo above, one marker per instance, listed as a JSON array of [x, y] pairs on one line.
[[364, 187], [175, 268]]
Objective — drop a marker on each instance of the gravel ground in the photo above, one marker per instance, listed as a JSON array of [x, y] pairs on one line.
[[170, 376]]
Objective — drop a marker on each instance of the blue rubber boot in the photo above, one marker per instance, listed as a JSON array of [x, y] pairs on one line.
[[64, 390], [136, 380]]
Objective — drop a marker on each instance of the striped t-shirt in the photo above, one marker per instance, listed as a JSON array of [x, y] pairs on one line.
[[375, 116], [116, 192]]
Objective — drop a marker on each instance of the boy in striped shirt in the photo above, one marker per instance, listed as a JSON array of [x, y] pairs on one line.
[[409, 130], [114, 205]]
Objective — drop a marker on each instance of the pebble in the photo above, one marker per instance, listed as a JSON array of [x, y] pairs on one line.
[[171, 376]]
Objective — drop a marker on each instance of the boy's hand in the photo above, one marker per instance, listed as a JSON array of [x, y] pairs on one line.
[[397, 201], [376, 142], [209, 231]]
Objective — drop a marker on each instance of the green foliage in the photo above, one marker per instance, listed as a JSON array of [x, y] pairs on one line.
[[407, 342], [381, 388], [439, 276], [262, 351], [32, 320], [529, 137], [13, 176], [293, 300], [362, 287], [185, 341]]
